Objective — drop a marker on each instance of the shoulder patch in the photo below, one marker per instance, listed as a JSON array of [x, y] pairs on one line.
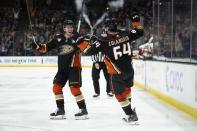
[[133, 31]]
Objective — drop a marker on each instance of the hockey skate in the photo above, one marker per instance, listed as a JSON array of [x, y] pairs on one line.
[[110, 94], [82, 114], [59, 114], [96, 95], [131, 118]]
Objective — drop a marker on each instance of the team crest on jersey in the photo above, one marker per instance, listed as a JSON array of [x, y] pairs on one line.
[[66, 49], [97, 44], [133, 31]]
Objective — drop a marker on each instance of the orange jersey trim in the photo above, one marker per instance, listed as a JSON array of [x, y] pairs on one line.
[[76, 60], [83, 45], [43, 49], [111, 67], [135, 24]]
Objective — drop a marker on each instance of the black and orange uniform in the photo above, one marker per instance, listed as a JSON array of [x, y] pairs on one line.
[[69, 68], [117, 48]]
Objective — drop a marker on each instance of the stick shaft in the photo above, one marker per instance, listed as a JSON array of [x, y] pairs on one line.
[[30, 23], [80, 17]]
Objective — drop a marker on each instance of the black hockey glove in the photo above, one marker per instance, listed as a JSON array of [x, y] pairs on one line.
[[82, 38], [135, 18], [35, 46], [93, 39]]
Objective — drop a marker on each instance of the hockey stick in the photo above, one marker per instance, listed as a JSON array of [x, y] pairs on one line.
[[80, 17], [100, 20], [31, 24]]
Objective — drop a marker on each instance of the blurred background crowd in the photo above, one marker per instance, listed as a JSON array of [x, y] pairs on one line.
[[172, 23]]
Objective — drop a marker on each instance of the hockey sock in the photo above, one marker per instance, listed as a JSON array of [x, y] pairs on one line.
[[126, 106], [127, 110], [81, 104], [59, 97], [76, 92]]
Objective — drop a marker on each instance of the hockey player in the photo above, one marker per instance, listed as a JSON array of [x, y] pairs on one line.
[[69, 69], [144, 51], [118, 51]]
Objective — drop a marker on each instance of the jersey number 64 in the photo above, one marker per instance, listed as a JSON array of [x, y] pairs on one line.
[[122, 50]]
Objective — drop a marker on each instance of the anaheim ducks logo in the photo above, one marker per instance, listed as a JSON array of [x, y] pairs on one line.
[[66, 49]]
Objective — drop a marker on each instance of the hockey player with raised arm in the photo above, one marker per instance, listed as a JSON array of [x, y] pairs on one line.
[[116, 46], [69, 69]]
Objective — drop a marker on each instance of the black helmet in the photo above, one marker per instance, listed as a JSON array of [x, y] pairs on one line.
[[68, 22], [111, 23]]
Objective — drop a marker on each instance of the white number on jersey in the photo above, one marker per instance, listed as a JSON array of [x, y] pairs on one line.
[[118, 52]]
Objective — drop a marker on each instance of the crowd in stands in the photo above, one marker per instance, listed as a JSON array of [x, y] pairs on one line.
[[47, 18], [174, 39], [8, 24]]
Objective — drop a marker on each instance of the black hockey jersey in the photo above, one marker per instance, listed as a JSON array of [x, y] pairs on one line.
[[117, 49], [68, 52]]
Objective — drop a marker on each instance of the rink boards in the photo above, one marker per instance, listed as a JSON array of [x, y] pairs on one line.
[[37, 61], [174, 83]]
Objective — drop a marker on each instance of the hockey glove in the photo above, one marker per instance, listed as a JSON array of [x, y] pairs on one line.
[[135, 18], [82, 38], [93, 38], [146, 50], [136, 21], [35, 46]]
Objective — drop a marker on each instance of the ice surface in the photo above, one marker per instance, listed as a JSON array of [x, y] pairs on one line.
[[26, 100]]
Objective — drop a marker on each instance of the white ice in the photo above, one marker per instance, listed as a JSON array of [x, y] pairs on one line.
[[26, 100]]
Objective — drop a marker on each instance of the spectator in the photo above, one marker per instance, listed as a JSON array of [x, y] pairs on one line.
[[3, 49]]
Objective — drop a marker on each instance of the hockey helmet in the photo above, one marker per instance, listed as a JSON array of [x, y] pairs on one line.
[[111, 23], [68, 22]]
